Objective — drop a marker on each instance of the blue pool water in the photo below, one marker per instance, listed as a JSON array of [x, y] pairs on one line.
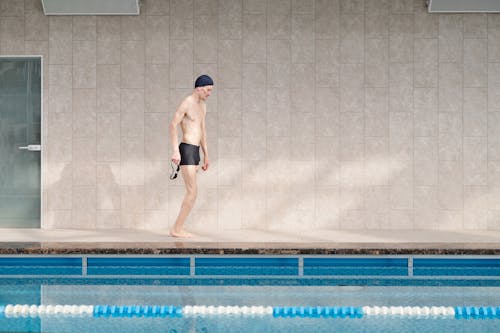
[[216, 294]]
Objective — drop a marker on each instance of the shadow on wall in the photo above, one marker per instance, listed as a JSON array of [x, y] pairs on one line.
[[282, 198], [276, 195], [71, 206], [279, 195], [341, 206], [292, 203]]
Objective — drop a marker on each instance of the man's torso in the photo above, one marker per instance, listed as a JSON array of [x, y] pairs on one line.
[[191, 123]]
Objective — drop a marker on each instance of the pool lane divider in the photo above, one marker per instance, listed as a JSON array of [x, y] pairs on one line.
[[170, 311]]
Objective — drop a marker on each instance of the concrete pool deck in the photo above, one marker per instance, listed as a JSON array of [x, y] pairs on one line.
[[127, 241]]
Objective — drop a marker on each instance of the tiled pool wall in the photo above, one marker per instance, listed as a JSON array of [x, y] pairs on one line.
[[255, 266]]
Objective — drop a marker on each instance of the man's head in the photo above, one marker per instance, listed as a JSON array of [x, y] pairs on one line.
[[203, 86]]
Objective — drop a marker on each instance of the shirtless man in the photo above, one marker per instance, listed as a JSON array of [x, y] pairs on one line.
[[191, 116]]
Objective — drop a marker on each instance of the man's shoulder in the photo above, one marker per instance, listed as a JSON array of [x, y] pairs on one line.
[[186, 102]]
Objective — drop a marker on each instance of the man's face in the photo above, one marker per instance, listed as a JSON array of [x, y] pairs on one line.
[[205, 92]]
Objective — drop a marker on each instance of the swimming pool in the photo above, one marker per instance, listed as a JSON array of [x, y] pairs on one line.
[[204, 293]]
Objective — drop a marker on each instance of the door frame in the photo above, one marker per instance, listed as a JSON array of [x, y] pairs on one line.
[[42, 145]]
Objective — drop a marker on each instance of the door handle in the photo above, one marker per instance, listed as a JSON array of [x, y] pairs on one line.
[[31, 147]]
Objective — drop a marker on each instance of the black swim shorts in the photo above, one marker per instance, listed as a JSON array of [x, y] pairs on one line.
[[190, 154]]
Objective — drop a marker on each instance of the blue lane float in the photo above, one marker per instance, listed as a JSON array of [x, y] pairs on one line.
[[317, 312], [476, 312], [136, 311]]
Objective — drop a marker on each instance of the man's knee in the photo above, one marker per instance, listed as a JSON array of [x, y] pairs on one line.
[[192, 192]]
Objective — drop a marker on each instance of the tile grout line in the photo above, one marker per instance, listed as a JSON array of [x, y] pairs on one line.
[[438, 210], [72, 128], [413, 220], [488, 213], [96, 131]]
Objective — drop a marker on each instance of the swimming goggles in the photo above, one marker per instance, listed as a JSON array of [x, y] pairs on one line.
[[175, 170]]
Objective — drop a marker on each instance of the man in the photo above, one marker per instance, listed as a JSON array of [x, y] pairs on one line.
[[191, 116]]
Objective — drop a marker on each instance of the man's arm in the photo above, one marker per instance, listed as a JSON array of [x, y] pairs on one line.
[[204, 145], [178, 116]]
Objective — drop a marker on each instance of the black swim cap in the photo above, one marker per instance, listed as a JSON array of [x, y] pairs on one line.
[[203, 80]]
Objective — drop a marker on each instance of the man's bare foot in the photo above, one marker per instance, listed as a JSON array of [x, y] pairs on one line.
[[180, 234]]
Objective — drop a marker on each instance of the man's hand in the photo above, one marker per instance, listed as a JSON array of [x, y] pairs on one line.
[[176, 157], [206, 162]]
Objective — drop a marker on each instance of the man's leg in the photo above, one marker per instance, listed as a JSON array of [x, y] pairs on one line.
[[189, 176]]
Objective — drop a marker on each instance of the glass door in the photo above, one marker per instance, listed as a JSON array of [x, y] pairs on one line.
[[20, 146]]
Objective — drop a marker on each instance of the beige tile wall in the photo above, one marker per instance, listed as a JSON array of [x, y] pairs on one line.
[[344, 114]]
